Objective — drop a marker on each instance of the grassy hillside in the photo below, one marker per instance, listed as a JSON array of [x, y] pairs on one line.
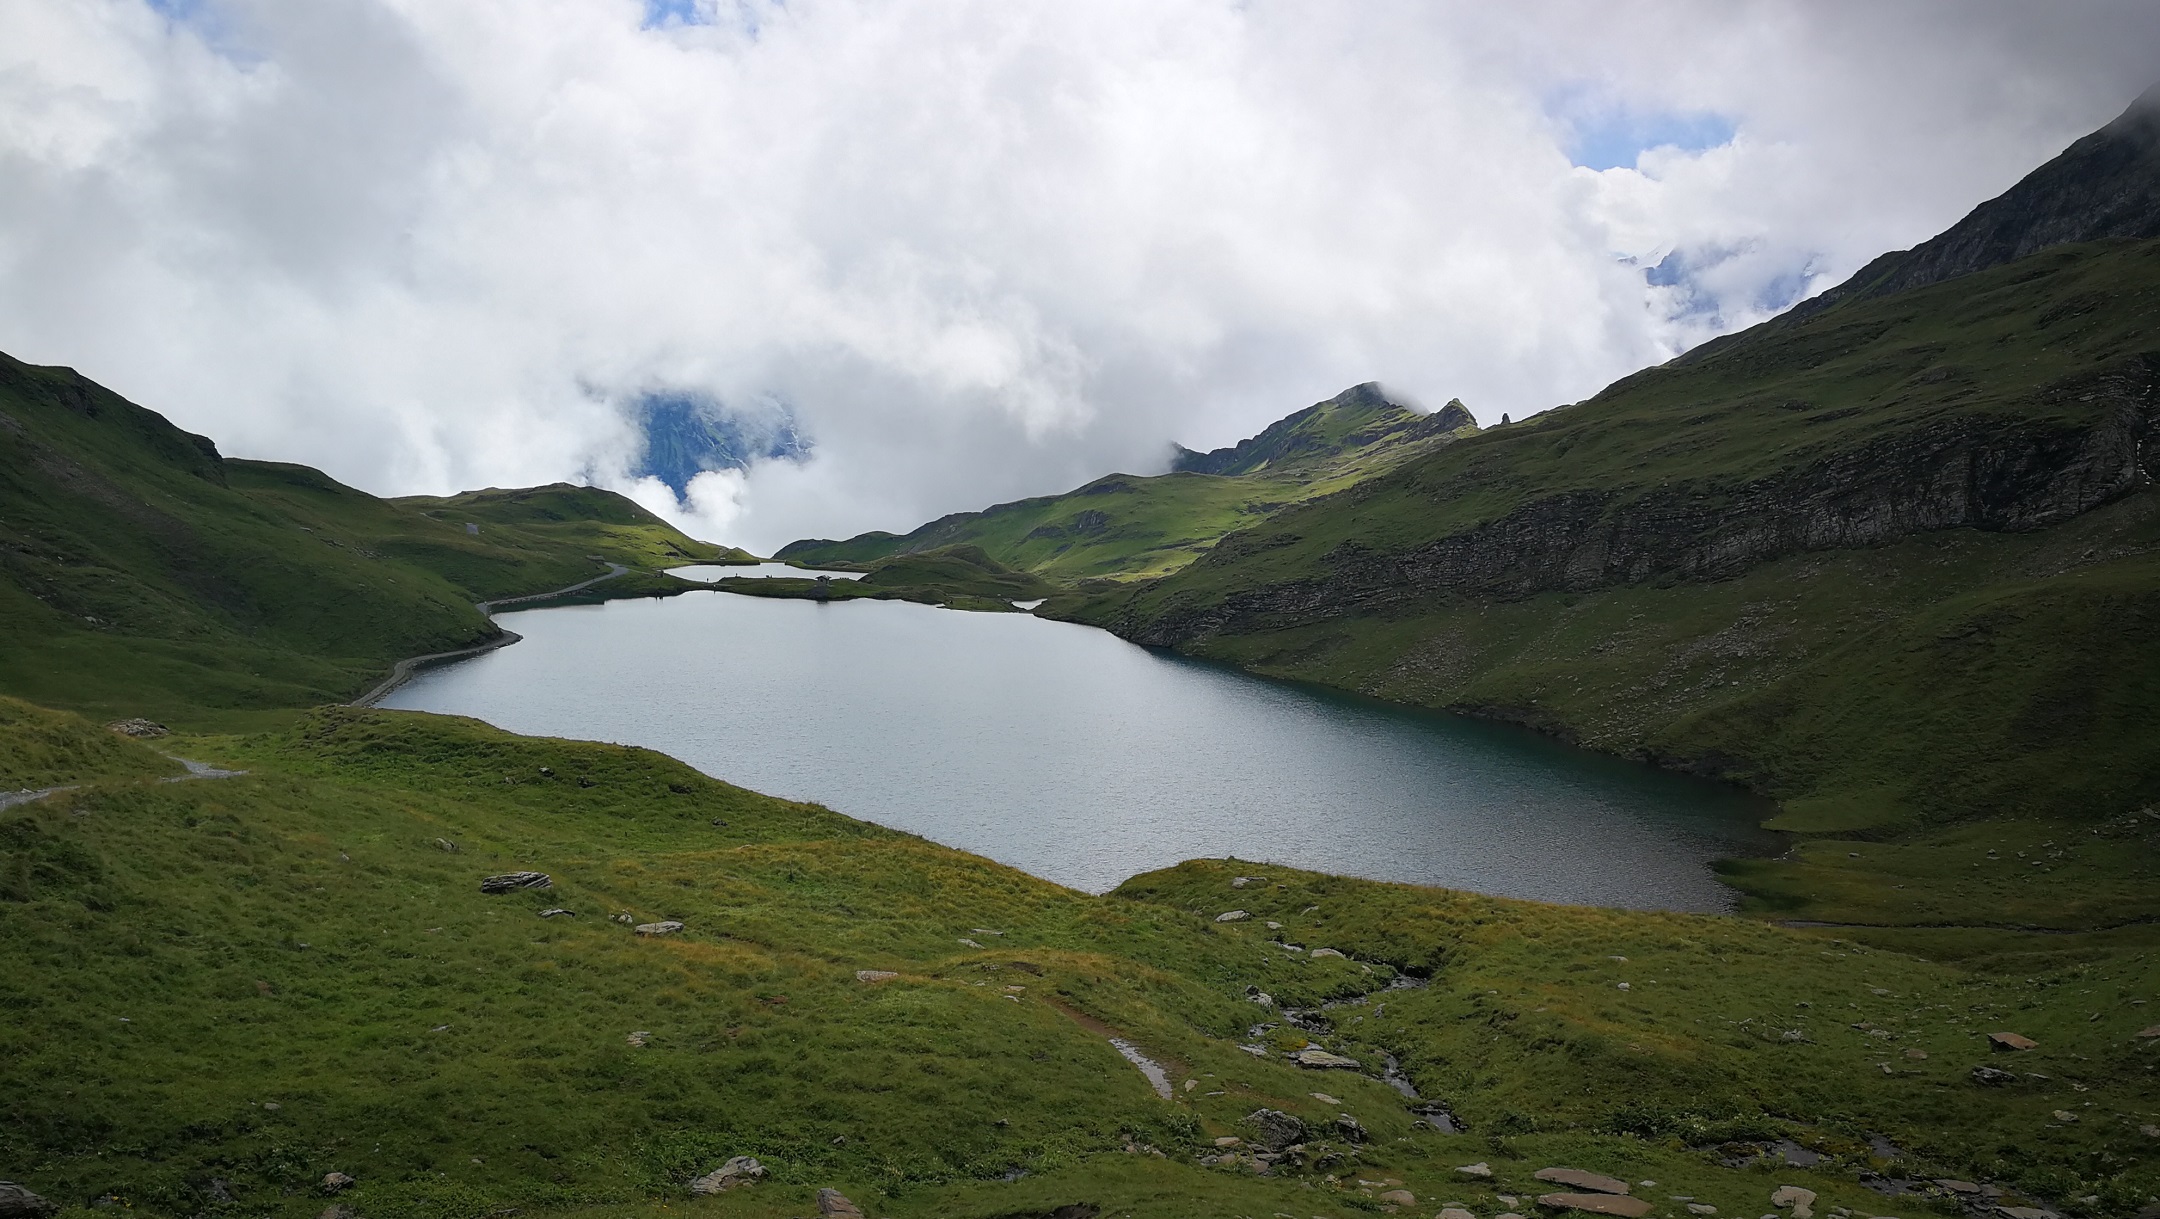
[[143, 573], [1126, 527], [959, 577], [219, 991], [1896, 565]]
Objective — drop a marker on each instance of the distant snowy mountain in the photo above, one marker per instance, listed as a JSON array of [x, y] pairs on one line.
[[688, 434]]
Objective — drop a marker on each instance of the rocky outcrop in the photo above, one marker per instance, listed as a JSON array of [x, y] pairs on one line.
[[1961, 470]]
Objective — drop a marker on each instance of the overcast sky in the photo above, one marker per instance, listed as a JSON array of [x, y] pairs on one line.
[[980, 250]]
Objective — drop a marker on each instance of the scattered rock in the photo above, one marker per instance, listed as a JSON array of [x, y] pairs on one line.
[[2154, 1031], [1597, 1204], [338, 1210], [1324, 1098], [832, 1204], [2150, 1132], [2064, 1115], [1396, 1197], [1455, 1212], [1958, 1187], [1322, 1060], [1229, 1140], [445, 845], [639, 1038], [1233, 916], [17, 1201], [1579, 1179], [511, 882], [1992, 1077], [272, 1106], [970, 943], [547, 772], [1916, 1055], [219, 1190], [1274, 1129], [1802, 1201], [1350, 1128], [1317, 953], [739, 1170], [1239, 882], [663, 927], [141, 730], [558, 912], [1701, 1208], [2010, 1041], [875, 975], [332, 1182], [2024, 1212], [1259, 996], [1480, 1169]]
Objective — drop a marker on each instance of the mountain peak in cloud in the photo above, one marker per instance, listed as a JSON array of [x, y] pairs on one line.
[[687, 435]]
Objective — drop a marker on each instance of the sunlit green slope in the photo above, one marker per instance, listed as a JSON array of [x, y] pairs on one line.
[[1125, 526]]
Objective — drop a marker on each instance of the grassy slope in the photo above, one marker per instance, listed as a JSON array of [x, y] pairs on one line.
[[1882, 692], [960, 577], [1128, 527], [173, 956], [141, 573]]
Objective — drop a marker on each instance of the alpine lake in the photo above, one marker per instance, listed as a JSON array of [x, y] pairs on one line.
[[1073, 755]]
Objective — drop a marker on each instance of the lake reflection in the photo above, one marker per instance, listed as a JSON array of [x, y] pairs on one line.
[[1071, 754]]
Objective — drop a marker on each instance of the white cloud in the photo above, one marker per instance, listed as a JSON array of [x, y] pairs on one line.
[[982, 249]]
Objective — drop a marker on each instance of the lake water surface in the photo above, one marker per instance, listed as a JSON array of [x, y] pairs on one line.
[[1071, 754]]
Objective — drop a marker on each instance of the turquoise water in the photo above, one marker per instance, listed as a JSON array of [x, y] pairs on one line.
[[1069, 753]]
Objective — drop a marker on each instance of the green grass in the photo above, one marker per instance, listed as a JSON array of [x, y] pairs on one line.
[[175, 955], [143, 574], [1127, 527], [959, 577]]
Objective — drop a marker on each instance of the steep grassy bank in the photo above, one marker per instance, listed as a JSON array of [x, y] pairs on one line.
[[1896, 565], [221, 990], [141, 572]]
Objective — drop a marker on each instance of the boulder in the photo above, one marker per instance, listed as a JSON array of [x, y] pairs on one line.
[[140, 729], [1352, 1130], [445, 845], [1455, 1212], [1481, 1170], [511, 882], [18, 1202], [333, 1182], [1322, 1060], [739, 1170], [1396, 1197], [663, 927], [1274, 1129], [1233, 916], [1802, 1201], [1578, 1179], [2010, 1041], [832, 1204], [1598, 1204]]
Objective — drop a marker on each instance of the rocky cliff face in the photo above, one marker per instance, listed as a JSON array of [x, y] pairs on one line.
[[1962, 471]]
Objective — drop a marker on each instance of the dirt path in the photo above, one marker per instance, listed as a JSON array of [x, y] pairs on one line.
[[195, 770], [402, 671]]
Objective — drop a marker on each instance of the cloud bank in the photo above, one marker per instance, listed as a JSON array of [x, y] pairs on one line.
[[975, 249]]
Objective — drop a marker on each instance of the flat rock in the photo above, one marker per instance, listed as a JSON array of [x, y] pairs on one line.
[[1582, 1180], [1992, 1077], [875, 975], [2011, 1041], [1396, 1197], [1233, 916], [738, 1171], [1480, 1169], [1317, 953], [511, 882], [832, 1204], [1802, 1201], [1274, 1129], [558, 912], [19, 1202], [1455, 1212], [663, 927], [332, 1182], [2154, 1031], [1701, 1208], [1959, 1187], [1598, 1204], [1239, 882], [2024, 1212], [1322, 1060]]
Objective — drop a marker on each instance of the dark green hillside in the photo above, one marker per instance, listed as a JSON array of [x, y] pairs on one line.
[[219, 991], [143, 573], [958, 577], [1895, 564], [1125, 526]]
